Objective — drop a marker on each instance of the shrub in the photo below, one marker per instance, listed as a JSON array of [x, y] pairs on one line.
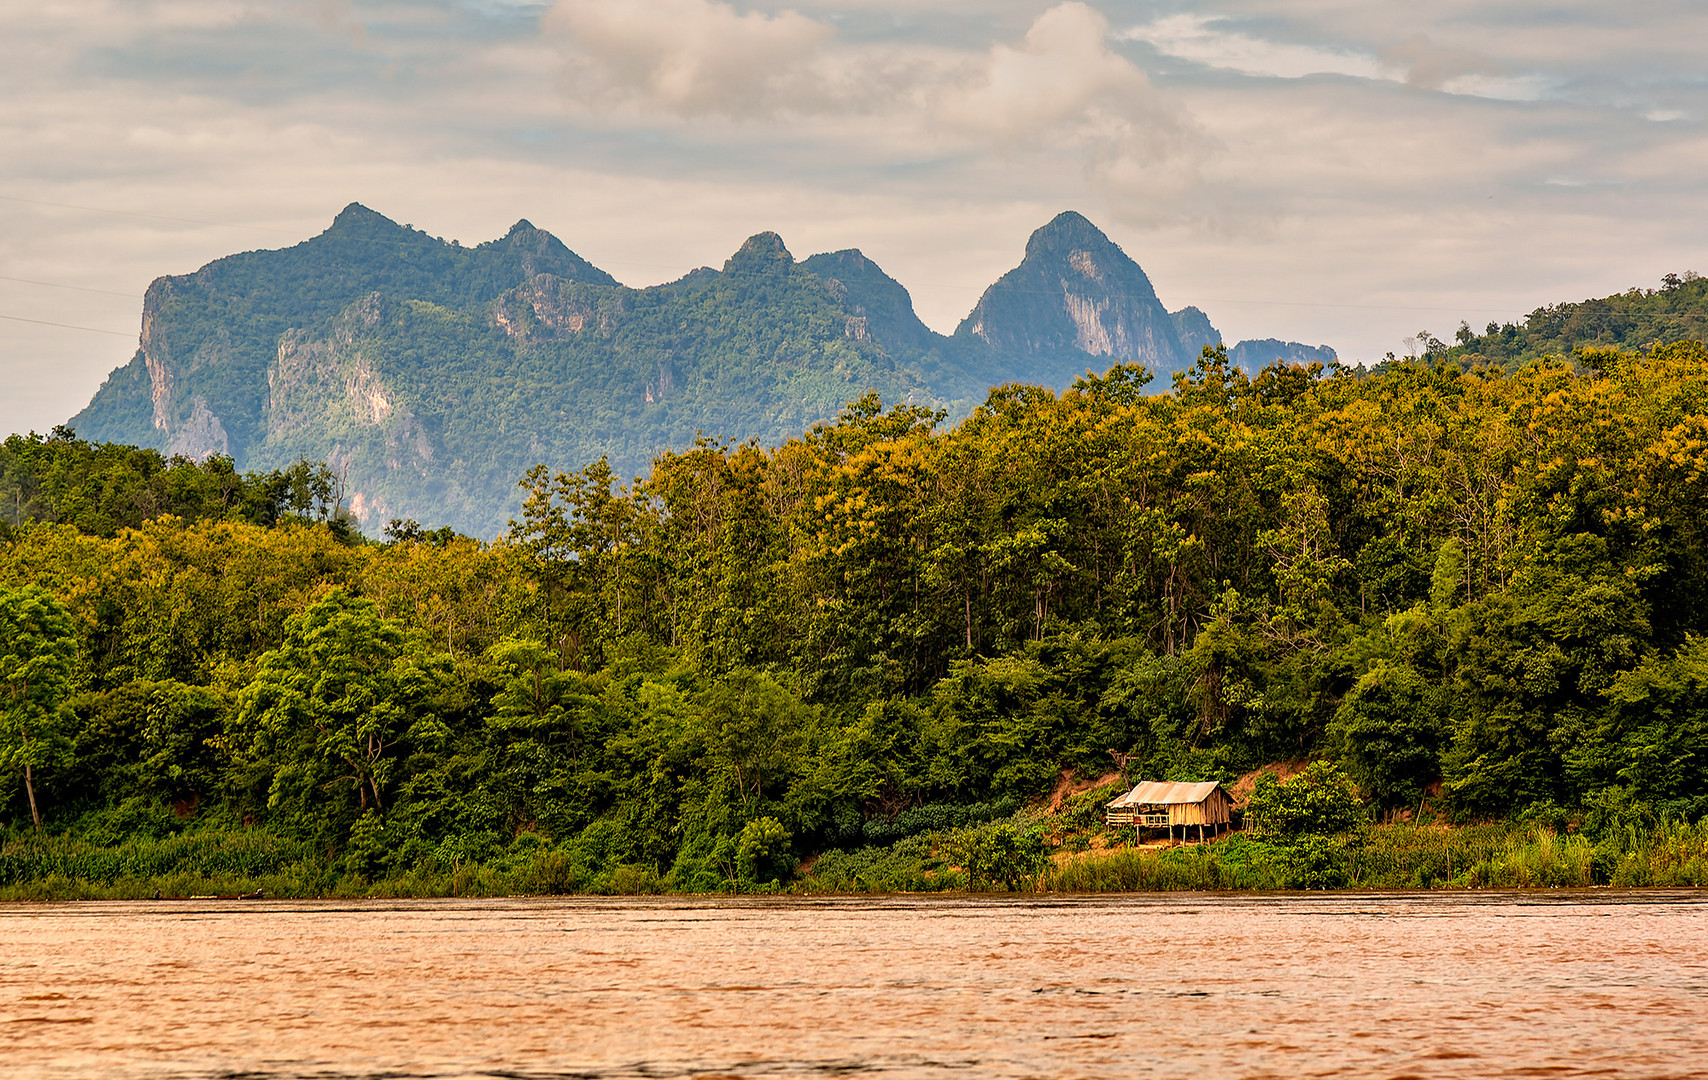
[[762, 851], [1317, 802], [1000, 855]]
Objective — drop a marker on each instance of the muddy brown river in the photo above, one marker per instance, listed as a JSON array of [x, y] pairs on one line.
[[1433, 985]]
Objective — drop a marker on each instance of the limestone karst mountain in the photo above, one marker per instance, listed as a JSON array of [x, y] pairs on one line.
[[1193, 328], [1252, 357], [1075, 299], [431, 376]]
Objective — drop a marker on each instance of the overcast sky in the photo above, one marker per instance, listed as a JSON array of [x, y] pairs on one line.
[[1341, 172]]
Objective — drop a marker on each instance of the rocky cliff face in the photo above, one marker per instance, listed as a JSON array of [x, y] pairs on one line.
[[183, 424], [210, 339], [1193, 328], [432, 376], [332, 396], [546, 307], [1076, 301]]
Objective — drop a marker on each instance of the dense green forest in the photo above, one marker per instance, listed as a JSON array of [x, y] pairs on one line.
[[1478, 594]]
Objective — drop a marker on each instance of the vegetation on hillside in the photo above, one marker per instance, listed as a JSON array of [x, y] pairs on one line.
[[1477, 591], [428, 376], [1634, 320]]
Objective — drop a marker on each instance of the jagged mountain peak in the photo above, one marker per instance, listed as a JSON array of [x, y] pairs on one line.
[[1076, 302], [762, 252], [356, 212], [880, 302], [1065, 232], [1194, 330], [435, 373], [1071, 238], [357, 219], [542, 253]]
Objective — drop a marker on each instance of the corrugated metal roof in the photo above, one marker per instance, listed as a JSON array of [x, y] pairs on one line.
[[1162, 793]]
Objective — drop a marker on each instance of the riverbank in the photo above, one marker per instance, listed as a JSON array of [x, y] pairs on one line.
[[1393, 856]]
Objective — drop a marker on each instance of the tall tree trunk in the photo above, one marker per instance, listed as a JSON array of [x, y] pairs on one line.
[[29, 786]]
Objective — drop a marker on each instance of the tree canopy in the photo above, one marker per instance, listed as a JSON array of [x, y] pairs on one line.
[[1483, 588]]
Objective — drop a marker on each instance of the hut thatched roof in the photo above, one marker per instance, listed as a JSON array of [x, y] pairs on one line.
[[1162, 793]]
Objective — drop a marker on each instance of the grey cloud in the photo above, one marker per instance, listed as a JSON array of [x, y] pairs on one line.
[[1429, 64], [688, 57]]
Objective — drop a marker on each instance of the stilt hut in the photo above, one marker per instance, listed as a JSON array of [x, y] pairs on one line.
[[1155, 804]]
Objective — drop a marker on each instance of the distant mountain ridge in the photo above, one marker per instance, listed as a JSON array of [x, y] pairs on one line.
[[431, 375]]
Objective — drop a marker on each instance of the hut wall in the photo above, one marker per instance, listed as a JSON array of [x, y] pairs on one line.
[[1212, 811]]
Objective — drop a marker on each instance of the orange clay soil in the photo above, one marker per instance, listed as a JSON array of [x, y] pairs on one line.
[[1283, 770], [1067, 787]]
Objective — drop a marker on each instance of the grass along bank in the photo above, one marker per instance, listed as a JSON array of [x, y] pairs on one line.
[[1392, 856]]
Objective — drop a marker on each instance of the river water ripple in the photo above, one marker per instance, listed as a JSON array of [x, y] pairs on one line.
[[1393, 986]]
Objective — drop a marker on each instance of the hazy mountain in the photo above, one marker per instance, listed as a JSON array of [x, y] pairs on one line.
[[1253, 356], [431, 375], [1193, 328], [1196, 334], [200, 383]]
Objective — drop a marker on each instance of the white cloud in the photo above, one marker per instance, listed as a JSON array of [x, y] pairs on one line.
[[691, 58], [1064, 86], [1499, 87], [1060, 89], [1062, 72], [1202, 40], [1418, 60]]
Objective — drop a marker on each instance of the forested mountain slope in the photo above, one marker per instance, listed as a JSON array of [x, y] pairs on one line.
[[1631, 320], [429, 376]]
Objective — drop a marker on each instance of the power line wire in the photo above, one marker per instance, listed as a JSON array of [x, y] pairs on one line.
[[67, 326], [63, 285]]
